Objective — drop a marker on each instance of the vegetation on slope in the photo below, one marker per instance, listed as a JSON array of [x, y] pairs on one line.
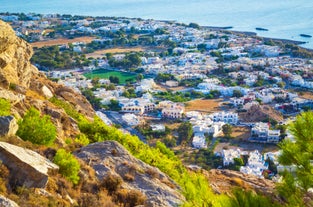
[[194, 186], [69, 166], [36, 128], [296, 185], [5, 107]]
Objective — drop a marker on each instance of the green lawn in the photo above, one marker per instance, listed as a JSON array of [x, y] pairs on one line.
[[123, 76]]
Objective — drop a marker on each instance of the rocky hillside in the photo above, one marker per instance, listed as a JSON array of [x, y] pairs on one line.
[[222, 181], [260, 113], [114, 178], [110, 158], [24, 86]]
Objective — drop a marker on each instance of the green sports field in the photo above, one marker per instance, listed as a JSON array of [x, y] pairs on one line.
[[123, 76]]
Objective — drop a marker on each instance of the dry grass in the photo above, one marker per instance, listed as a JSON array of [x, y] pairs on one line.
[[172, 126], [101, 53], [201, 105], [35, 95], [166, 88], [61, 41], [307, 95], [241, 133]]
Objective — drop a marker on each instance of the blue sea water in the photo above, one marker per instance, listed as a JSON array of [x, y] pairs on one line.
[[283, 18]]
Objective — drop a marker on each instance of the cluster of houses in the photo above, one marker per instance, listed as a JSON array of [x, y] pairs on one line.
[[248, 59], [255, 164], [204, 125]]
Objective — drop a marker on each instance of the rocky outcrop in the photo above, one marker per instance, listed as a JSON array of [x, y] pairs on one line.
[[15, 53], [8, 126], [27, 168], [5, 202], [111, 158], [24, 86], [260, 113], [223, 181]]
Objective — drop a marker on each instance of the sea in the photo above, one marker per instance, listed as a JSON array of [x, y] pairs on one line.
[[284, 19]]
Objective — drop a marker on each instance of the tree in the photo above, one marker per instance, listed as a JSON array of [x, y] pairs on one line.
[[139, 77], [242, 198], [227, 130], [114, 105], [36, 128], [185, 132], [237, 93], [114, 79], [194, 25], [281, 84], [134, 59], [69, 165], [299, 154], [5, 107]]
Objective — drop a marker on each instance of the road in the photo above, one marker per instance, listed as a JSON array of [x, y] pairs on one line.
[[116, 118]]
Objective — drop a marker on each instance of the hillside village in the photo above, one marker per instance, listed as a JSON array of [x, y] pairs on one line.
[[257, 86]]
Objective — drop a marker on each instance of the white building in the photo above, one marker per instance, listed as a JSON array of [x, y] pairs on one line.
[[131, 119], [262, 133], [237, 101], [171, 83], [255, 165], [145, 85], [229, 155], [227, 117], [171, 109], [198, 141], [137, 106], [157, 127]]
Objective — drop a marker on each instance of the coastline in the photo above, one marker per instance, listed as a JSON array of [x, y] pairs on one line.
[[254, 34]]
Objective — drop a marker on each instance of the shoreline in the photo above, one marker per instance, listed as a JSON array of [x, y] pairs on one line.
[[216, 28], [254, 34]]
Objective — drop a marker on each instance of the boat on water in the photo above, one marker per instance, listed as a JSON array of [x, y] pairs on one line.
[[305, 35], [261, 29]]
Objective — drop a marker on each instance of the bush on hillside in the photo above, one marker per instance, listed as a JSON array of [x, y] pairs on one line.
[[69, 165], [5, 107], [36, 128]]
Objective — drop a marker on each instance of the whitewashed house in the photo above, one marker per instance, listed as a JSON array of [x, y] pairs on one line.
[[198, 141]]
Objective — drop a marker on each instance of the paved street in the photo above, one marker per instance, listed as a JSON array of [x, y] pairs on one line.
[[116, 118]]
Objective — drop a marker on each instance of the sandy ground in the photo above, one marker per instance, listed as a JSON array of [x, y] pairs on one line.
[[62, 41], [101, 53], [241, 133], [308, 95], [211, 105]]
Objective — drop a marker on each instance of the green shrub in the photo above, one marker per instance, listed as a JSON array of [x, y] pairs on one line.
[[5, 107], [69, 165], [82, 140], [68, 108], [243, 198], [36, 128]]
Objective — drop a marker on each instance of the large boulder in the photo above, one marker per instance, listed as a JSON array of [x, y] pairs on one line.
[[27, 168], [111, 158], [5, 202], [15, 53], [8, 126]]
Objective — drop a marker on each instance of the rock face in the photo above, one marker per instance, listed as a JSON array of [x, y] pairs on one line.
[[112, 158], [15, 54], [24, 86], [5, 202], [223, 181], [8, 126], [260, 113], [27, 167]]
